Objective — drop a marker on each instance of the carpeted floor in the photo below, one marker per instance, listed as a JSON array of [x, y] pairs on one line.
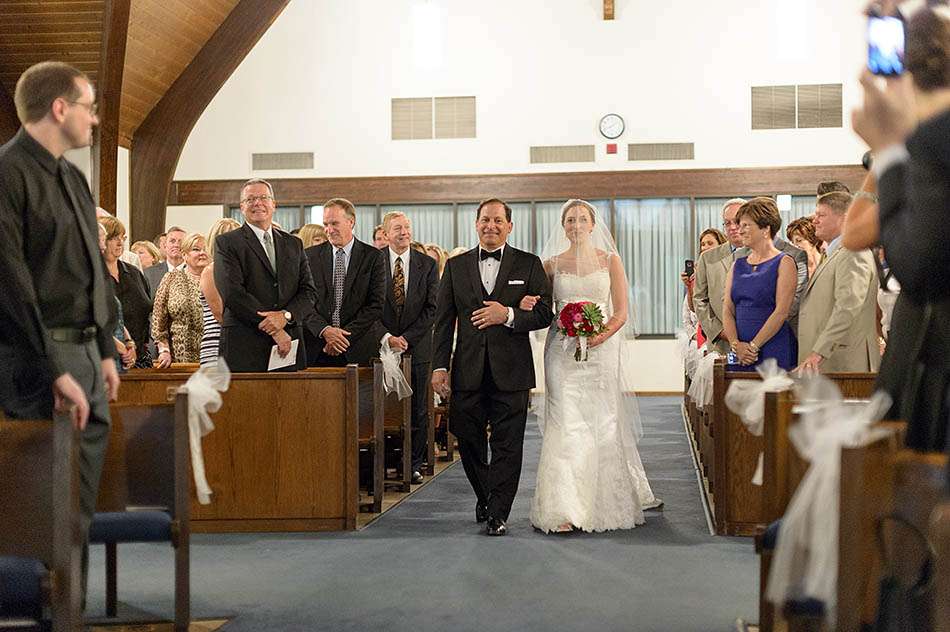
[[426, 565]]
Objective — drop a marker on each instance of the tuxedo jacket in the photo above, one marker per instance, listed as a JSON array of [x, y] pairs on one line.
[[506, 351], [362, 307], [414, 321], [838, 317], [247, 283]]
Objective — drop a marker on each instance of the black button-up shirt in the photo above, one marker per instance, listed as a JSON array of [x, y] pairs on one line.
[[51, 270]]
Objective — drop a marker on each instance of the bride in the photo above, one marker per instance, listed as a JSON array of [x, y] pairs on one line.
[[590, 476]]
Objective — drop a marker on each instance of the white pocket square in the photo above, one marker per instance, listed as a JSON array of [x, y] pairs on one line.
[[516, 282]]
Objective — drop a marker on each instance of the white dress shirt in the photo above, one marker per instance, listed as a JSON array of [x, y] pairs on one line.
[[404, 257], [260, 236]]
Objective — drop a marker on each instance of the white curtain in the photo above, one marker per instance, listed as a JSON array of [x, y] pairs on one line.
[[653, 238], [365, 220], [431, 223], [521, 235], [288, 217]]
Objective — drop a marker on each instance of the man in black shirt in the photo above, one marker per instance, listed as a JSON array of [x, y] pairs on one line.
[[58, 311]]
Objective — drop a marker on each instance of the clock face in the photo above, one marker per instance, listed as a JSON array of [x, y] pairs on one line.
[[611, 126]]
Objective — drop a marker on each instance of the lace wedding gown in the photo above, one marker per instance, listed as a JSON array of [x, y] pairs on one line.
[[590, 474]]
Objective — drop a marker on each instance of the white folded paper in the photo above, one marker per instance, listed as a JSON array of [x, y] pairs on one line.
[[277, 362]]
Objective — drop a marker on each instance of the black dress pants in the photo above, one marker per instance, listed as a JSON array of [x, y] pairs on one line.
[[496, 482], [420, 414]]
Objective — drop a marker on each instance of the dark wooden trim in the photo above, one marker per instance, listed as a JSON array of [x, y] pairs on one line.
[[528, 186], [158, 141], [105, 148], [9, 123], [608, 9]]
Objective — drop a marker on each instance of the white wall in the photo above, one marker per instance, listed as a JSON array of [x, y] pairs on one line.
[[543, 72], [194, 219]]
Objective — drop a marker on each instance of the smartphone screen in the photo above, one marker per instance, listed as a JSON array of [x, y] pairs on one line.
[[688, 267], [886, 45]]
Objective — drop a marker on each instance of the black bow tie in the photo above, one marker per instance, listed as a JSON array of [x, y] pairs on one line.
[[484, 254]]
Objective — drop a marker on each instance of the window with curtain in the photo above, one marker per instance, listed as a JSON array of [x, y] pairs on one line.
[[365, 220], [521, 236], [431, 223], [653, 237], [287, 217]]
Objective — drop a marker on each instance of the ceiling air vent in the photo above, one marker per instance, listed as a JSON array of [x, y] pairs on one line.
[[660, 151], [562, 153], [773, 107], [455, 117], [412, 118], [819, 105], [289, 160]]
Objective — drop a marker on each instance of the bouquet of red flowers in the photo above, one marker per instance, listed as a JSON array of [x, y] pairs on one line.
[[580, 320]]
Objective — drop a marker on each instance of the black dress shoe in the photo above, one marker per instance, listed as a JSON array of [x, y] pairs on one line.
[[481, 512], [416, 477], [496, 527]]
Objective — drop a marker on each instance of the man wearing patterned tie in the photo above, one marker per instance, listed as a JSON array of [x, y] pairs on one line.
[[350, 281], [265, 283], [412, 285]]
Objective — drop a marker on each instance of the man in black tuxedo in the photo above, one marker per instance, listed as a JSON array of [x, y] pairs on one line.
[[265, 284], [492, 368], [412, 284], [350, 280]]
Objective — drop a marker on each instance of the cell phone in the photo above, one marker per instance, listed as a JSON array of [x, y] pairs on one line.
[[886, 45], [689, 267]]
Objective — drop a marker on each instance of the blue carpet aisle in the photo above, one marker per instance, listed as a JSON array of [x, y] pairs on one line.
[[426, 565]]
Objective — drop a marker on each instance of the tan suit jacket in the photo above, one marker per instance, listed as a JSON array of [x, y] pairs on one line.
[[711, 271], [838, 313]]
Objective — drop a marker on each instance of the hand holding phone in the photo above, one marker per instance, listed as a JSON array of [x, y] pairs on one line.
[[689, 267], [885, 45]]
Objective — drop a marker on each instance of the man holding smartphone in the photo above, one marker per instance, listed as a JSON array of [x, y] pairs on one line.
[[711, 270]]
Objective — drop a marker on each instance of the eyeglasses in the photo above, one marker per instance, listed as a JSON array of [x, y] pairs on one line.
[[727, 223], [92, 107], [251, 199]]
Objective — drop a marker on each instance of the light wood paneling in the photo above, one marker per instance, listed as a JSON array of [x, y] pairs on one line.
[[64, 30], [164, 36]]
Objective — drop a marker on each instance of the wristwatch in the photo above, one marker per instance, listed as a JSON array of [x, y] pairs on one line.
[[288, 316]]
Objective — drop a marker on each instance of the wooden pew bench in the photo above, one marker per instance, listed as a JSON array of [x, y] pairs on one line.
[[284, 455], [39, 526], [738, 505]]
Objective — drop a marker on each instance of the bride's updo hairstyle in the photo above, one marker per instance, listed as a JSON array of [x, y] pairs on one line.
[[572, 204]]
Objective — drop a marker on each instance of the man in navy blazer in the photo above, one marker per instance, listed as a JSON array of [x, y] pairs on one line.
[[350, 282], [265, 283], [412, 286]]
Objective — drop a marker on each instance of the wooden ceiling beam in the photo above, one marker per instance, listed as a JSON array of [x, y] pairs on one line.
[[608, 9], [105, 149], [9, 123], [158, 141]]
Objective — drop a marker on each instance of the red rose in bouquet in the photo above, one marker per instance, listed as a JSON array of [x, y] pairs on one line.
[[581, 320]]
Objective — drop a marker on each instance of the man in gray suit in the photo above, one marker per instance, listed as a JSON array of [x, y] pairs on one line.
[[837, 324], [174, 260], [711, 270]]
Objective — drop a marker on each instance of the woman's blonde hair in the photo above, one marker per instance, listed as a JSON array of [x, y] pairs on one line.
[[223, 225], [309, 231], [150, 247], [189, 242], [443, 256]]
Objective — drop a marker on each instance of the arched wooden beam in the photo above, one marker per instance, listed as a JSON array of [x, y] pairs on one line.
[[105, 149], [157, 143], [9, 123]]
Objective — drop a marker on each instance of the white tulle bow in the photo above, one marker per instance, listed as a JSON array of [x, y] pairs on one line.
[[805, 562], [204, 390], [393, 378], [746, 398], [701, 389]]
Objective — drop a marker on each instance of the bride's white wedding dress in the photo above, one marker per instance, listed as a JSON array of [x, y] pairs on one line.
[[590, 474]]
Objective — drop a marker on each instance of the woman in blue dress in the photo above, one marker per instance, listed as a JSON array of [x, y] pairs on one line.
[[760, 289]]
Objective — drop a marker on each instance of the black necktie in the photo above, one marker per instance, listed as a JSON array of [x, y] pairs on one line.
[[100, 308], [484, 254]]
